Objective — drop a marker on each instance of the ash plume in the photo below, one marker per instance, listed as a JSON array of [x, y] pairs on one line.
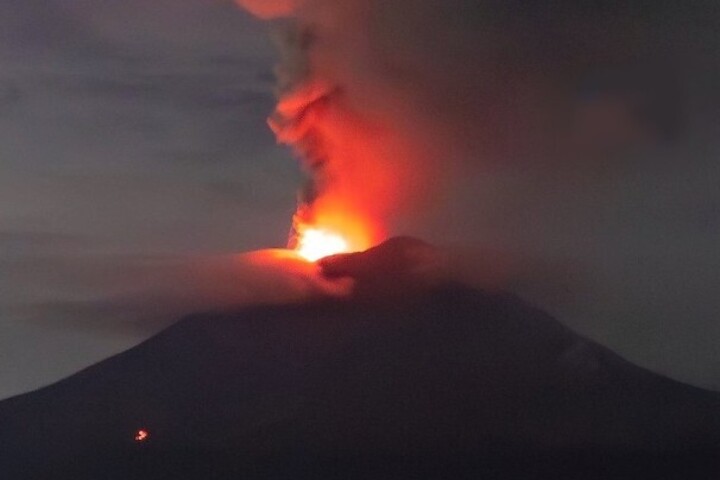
[[576, 140], [387, 101]]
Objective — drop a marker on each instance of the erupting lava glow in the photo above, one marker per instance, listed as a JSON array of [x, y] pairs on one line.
[[331, 230], [315, 243]]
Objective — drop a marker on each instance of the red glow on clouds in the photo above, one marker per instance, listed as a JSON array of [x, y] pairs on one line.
[[360, 178], [269, 8], [352, 132], [141, 435]]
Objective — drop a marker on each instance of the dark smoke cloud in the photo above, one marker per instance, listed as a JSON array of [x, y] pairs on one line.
[[395, 95], [577, 139]]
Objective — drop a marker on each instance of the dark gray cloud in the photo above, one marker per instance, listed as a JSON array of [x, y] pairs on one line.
[[41, 25], [10, 95], [130, 132]]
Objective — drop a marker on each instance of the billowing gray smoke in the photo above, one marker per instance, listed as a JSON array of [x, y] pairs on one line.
[[447, 84], [575, 141]]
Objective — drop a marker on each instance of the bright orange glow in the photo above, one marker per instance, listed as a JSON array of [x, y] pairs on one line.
[[315, 243], [329, 229], [141, 435], [363, 176]]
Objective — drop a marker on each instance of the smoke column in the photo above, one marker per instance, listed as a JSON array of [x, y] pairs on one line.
[[385, 101], [351, 112], [577, 140]]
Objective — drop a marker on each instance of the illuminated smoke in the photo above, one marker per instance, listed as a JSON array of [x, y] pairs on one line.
[[351, 128], [269, 8], [535, 131], [387, 101]]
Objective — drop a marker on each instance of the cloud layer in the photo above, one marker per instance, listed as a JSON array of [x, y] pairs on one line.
[[132, 144]]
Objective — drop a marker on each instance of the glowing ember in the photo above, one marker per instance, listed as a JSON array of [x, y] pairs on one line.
[[141, 435], [314, 244]]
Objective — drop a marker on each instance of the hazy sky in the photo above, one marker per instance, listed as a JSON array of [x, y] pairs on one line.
[[128, 129], [132, 132]]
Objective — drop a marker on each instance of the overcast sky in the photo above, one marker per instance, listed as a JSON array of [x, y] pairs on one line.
[[132, 132], [128, 129]]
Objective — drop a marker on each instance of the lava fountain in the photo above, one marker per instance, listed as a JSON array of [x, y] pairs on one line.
[[315, 244]]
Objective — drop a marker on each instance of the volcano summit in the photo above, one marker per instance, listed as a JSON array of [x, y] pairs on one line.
[[442, 381]]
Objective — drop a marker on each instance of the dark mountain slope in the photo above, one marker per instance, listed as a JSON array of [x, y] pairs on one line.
[[449, 382]]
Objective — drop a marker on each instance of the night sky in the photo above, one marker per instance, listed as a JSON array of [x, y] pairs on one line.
[[128, 130], [133, 134]]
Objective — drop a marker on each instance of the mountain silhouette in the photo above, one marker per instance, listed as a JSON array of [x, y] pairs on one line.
[[449, 382]]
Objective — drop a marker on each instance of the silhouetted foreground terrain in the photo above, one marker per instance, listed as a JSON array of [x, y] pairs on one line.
[[448, 383]]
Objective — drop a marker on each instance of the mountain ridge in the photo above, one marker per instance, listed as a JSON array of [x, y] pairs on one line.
[[449, 378]]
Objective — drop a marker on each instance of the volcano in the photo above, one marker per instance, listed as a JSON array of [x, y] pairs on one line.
[[449, 382]]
